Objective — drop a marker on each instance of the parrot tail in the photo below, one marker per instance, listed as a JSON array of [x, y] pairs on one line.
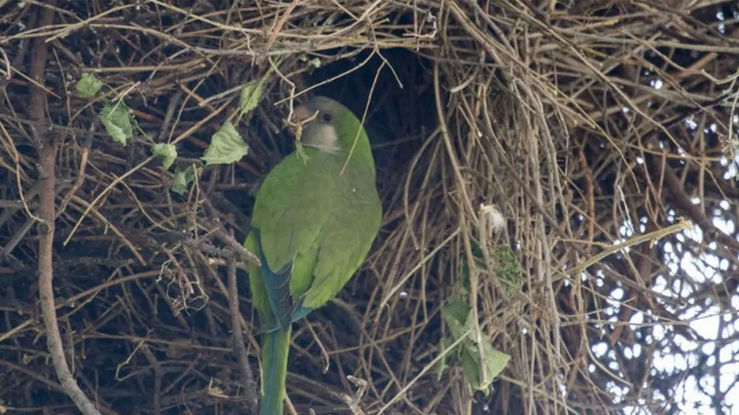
[[275, 348]]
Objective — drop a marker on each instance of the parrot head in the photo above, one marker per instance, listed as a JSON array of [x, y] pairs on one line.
[[328, 125]]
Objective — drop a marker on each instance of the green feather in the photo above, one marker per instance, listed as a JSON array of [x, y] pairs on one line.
[[314, 221], [275, 348]]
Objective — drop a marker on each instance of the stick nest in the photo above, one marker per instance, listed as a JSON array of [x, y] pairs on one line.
[[537, 162]]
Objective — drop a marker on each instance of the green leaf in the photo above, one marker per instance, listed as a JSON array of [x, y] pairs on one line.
[[166, 152], [117, 122], [251, 94], [508, 269], [226, 146], [494, 362], [182, 178], [443, 362], [88, 86], [457, 315]]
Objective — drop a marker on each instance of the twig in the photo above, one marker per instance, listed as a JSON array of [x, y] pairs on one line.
[[157, 368], [353, 401], [250, 386], [237, 248], [652, 237], [47, 149]]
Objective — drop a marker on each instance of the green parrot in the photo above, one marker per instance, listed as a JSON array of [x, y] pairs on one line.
[[315, 217]]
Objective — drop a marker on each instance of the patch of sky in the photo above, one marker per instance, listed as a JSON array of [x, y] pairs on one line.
[[600, 349], [690, 122], [707, 327]]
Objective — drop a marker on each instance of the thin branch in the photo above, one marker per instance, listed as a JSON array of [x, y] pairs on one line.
[[250, 387], [47, 148]]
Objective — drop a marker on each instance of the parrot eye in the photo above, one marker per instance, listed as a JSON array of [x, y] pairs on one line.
[[326, 117]]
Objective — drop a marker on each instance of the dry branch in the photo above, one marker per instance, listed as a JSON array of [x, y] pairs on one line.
[[591, 126]]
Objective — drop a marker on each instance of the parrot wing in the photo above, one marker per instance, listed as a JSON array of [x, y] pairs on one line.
[[289, 214], [345, 239]]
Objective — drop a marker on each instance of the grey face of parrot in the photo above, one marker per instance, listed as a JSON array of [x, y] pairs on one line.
[[319, 132], [322, 137]]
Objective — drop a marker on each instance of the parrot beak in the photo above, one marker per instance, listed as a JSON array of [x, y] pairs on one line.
[[301, 114]]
